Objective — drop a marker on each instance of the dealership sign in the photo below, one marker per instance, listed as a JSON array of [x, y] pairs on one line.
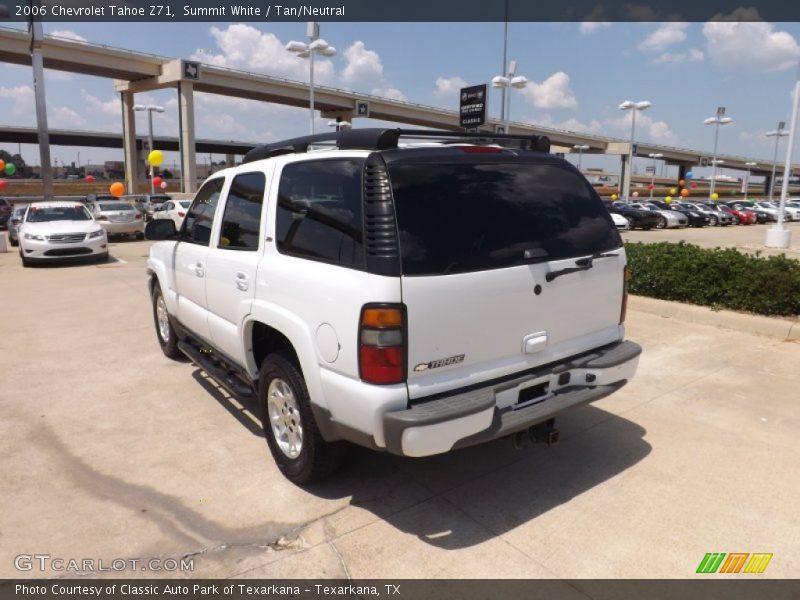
[[472, 109]]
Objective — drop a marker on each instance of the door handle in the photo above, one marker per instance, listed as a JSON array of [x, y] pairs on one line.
[[242, 281], [198, 269]]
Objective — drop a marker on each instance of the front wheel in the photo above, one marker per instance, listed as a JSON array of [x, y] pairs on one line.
[[631, 223], [294, 440], [736, 220], [165, 332], [713, 221], [662, 223], [14, 243]]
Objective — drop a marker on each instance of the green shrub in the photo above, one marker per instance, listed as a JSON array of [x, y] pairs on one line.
[[719, 277]]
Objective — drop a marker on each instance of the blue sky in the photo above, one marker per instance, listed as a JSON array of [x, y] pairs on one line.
[[579, 74]]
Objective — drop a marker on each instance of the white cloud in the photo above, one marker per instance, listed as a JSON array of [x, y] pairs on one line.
[[110, 108], [744, 42], [68, 34], [571, 124], [553, 92], [20, 99], [362, 64], [647, 128], [588, 27], [245, 47], [390, 92], [667, 34], [447, 87], [693, 55]]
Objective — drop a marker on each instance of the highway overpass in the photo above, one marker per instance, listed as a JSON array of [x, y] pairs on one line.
[[136, 72]]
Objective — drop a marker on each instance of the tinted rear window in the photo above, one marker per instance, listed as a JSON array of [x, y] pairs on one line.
[[455, 218], [115, 206]]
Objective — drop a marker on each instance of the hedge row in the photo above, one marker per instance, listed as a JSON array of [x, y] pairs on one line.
[[719, 277]]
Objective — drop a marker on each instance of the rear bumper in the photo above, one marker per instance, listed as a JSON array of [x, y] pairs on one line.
[[473, 417]]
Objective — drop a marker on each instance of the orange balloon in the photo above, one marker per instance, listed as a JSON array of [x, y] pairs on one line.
[[684, 193], [117, 189], [2, 164], [682, 182]]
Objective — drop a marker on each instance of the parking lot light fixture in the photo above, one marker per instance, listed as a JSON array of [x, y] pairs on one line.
[[580, 148], [777, 134], [634, 107], [150, 109], [716, 121], [504, 83], [655, 156], [316, 45]]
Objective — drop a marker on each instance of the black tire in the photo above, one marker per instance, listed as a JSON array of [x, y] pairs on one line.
[[713, 221], [631, 222], [736, 220], [169, 346], [662, 223], [139, 235], [14, 243], [102, 258], [316, 458]]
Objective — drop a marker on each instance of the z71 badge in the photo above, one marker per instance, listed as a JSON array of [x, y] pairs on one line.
[[442, 362]]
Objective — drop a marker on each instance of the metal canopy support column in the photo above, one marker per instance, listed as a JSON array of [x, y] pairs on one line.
[[623, 170], [37, 62], [129, 143], [188, 155]]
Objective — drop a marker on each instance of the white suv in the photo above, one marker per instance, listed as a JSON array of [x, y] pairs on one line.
[[413, 299]]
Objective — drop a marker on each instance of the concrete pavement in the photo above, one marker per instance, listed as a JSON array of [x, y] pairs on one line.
[[109, 450]]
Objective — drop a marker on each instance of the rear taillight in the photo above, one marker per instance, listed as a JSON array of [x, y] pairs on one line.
[[626, 275], [382, 344], [138, 216], [181, 214]]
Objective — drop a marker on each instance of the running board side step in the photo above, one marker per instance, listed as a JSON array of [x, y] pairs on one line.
[[226, 378]]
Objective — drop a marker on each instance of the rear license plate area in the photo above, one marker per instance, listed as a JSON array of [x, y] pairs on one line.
[[533, 394]]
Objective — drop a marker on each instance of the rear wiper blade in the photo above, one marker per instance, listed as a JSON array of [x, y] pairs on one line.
[[584, 264]]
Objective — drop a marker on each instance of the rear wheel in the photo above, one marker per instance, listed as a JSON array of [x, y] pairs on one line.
[[165, 331], [631, 224], [13, 242], [294, 440]]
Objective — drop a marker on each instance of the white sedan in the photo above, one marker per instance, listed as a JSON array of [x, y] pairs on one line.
[[173, 209], [55, 231], [620, 221]]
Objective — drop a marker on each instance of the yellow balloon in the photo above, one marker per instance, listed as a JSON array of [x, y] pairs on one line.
[[155, 158], [673, 191], [614, 196], [714, 196], [668, 199]]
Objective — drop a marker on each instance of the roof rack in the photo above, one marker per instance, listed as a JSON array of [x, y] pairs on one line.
[[385, 139]]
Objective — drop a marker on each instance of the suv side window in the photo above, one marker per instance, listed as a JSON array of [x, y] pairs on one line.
[[241, 221], [196, 227], [319, 211]]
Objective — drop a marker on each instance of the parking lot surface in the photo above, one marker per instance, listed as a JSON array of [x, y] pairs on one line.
[[109, 451], [747, 238]]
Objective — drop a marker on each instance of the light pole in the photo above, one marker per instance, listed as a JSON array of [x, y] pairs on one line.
[[504, 83], [746, 186], [655, 156], [580, 148], [716, 120], [634, 107], [778, 236], [150, 108], [316, 45], [777, 134]]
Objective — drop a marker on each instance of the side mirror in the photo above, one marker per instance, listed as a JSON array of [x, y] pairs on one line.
[[160, 229]]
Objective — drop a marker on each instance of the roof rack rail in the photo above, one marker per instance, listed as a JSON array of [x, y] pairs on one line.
[[385, 139]]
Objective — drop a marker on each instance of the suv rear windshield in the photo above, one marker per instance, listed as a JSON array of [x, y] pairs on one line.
[[456, 218]]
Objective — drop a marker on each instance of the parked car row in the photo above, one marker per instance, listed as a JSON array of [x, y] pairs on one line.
[[658, 214]]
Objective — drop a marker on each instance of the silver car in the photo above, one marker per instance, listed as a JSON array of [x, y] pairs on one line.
[[669, 218], [13, 224], [118, 217]]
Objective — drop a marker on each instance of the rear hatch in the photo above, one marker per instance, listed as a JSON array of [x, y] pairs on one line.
[[479, 233]]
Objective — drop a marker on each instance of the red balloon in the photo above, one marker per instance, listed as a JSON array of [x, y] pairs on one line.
[[694, 185], [89, 179], [157, 181], [650, 186], [2, 184]]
